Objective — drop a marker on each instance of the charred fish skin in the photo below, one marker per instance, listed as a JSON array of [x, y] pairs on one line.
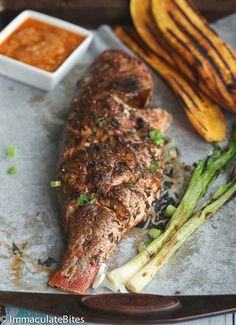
[[111, 169]]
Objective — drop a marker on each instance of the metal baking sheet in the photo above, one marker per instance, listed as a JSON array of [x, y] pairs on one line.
[[32, 241]]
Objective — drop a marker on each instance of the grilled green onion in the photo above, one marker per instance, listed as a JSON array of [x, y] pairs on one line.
[[143, 276], [202, 177]]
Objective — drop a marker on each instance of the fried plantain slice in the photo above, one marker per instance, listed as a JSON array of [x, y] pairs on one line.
[[189, 34]]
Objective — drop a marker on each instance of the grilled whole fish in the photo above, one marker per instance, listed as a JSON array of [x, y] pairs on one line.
[[111, 170]]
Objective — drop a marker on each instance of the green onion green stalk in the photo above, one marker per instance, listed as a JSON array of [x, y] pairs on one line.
[[203, 176], [144, 276]]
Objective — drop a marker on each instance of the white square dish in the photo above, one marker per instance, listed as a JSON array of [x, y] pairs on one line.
[[34, 76]]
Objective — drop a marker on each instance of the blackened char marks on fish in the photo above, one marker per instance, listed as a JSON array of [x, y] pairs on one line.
[[108, 184], [117, 72]]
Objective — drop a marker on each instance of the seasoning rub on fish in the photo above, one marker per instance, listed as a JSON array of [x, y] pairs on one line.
[[112, 164]]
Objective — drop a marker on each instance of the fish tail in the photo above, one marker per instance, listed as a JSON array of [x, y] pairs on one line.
[[78, 283]]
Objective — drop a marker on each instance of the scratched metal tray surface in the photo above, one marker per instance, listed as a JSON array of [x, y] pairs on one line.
[[32, 241]]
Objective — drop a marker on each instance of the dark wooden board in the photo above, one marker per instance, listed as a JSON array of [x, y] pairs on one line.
[[92, 13], [124, 308]]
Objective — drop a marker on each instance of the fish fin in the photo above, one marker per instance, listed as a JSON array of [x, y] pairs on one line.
[[78, 283]]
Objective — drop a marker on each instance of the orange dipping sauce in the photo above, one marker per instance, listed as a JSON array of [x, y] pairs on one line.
[[40, 44]]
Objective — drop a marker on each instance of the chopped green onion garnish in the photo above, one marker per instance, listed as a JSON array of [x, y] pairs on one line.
[[85, 198], [170, 210], [157, 137], [55, 183], [155, 134], [11, 170], [11, 151], [154, 167], [133, 131], [154, 232], [101, 123], [159, 142]]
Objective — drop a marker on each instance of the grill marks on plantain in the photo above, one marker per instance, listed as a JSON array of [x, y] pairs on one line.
[[200, 48], [182, 89], [144, 48], [208, 40], [203, 51], [164, 52], [129, 31]]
